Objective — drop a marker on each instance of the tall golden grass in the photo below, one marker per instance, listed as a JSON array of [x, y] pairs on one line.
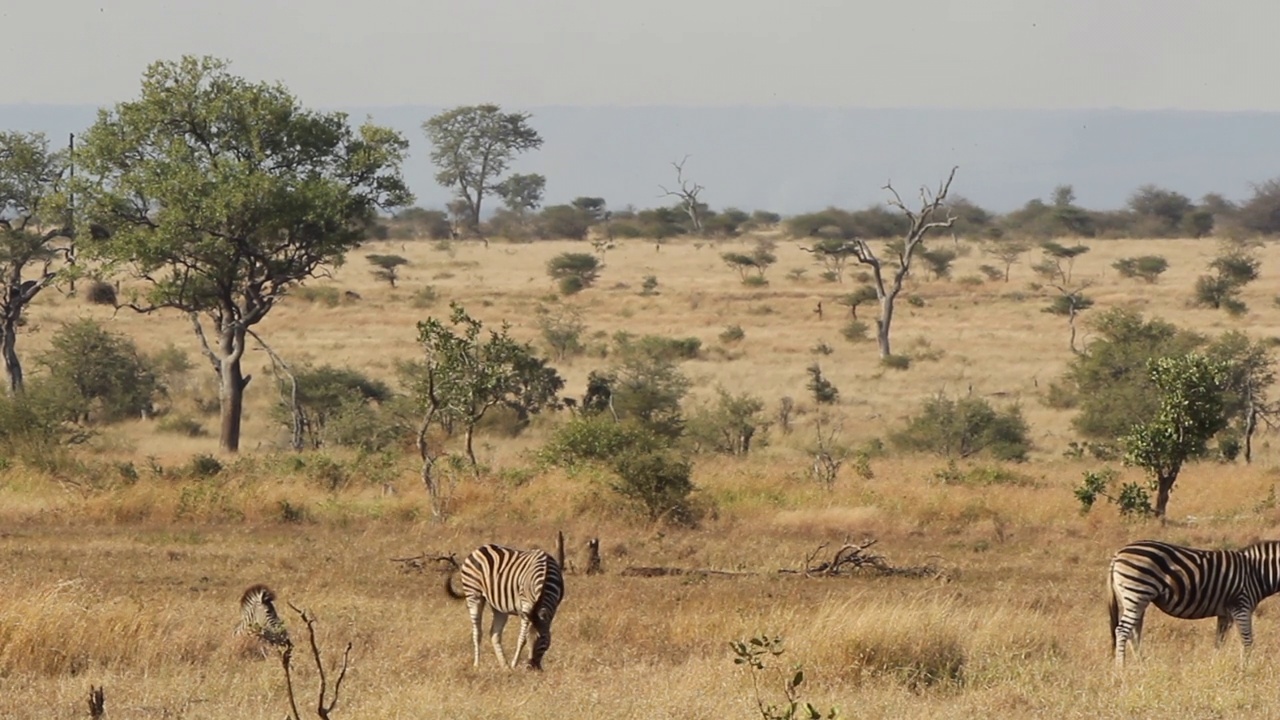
[[133, 583]]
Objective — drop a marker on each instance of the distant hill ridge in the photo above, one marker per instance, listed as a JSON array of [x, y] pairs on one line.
[[798, 159]]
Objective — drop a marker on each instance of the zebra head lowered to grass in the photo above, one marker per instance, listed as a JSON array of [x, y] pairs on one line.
[[527, 583], [1191, 584]]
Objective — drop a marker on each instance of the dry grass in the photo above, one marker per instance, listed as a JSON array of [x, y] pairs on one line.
[[133, 584]]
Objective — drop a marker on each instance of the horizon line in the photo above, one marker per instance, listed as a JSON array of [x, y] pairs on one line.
[[728, 106]]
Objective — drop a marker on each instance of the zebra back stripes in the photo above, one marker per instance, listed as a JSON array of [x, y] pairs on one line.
[[526, 583], [258, 616], [1191, 584]]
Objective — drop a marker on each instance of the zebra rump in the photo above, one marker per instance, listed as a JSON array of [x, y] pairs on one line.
[[258, 616]]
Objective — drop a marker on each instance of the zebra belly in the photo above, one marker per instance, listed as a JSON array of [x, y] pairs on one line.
[[1187, 613]]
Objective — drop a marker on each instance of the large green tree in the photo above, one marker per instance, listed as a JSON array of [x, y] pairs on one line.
[[472, 146], [1189, 389], [223, 194], [35, 237]]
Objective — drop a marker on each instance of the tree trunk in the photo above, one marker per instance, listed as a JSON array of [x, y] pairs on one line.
[[1250, 425], [1164, 485], [12, 365], [231, 390], [883, 323], [471, 453]]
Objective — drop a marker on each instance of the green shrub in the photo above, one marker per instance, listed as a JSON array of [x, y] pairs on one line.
[[203, 466], [562, 332], [574, 272], [101, 292], [657, 347], [325, 393], [658, 482], [596, 438], [31, 424], [360, 424], [732, 425], [855, 331], [326, 295], [732, 334], [424, 297], [896, 362], [102, 370], [181, 425], [822, 389], [1147, 267], [963, 428]]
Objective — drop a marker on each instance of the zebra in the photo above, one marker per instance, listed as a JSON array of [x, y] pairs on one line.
[[258, 616], [527, 583], [1191, 584]]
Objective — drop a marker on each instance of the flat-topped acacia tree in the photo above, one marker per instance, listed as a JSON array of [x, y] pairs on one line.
[[222, 195]]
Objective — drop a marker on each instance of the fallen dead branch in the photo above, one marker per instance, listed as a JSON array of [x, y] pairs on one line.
[[418, 563], [851, 558], [635, 571]]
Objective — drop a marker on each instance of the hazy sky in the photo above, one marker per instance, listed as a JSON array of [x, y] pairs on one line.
[[1140, 54]]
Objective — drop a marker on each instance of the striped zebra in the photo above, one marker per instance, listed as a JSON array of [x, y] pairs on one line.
[[258, 616], [527, 583], [1190, 584]]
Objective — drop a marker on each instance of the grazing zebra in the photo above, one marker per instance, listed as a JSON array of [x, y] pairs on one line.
[[258, 616], [527, 583], [1190, 584]]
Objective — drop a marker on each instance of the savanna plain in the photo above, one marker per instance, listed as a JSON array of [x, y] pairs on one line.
[[132, 583]]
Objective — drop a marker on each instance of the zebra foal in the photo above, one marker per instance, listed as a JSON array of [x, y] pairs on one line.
[[258, 616], [527, 583], [1191, 584]]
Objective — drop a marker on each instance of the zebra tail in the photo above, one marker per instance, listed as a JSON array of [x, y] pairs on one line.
[[448, 588], [1113, 606]]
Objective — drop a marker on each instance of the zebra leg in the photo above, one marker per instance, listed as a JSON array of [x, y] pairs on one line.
[[475, 606], [1224, 624], [1135, 636], [495, 634], [1244, 622], [525, 622], [1129, 629]]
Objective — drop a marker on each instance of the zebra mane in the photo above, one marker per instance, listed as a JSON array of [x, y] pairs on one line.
[[258, 615]]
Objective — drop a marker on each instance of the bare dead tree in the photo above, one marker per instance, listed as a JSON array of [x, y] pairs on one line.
[[921, 223], [560, 548], [688, 195]]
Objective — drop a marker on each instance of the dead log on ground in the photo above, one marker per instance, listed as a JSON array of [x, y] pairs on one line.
[[418, 563]]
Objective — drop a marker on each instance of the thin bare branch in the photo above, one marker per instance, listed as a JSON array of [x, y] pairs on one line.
[[278, 366], [204, 343]]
